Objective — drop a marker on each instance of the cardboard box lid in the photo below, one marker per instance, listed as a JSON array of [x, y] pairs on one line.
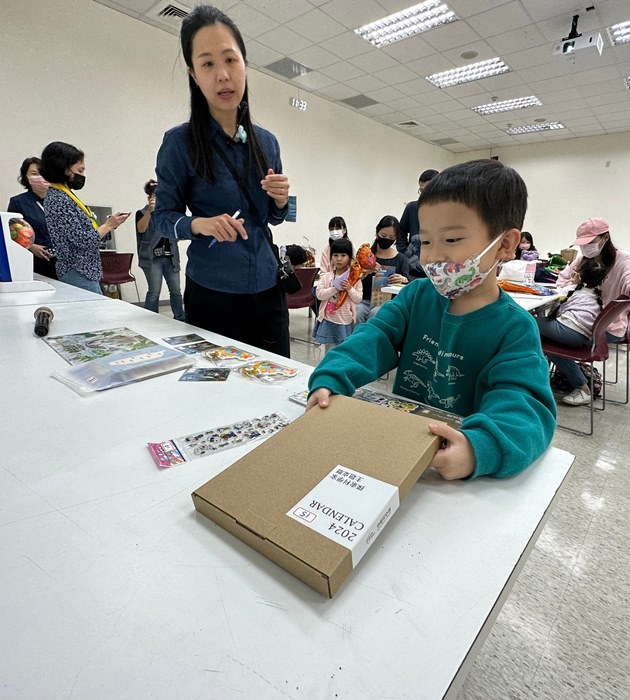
[[251, 497]]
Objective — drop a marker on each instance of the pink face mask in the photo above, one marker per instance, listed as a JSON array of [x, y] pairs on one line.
[[39, 182]]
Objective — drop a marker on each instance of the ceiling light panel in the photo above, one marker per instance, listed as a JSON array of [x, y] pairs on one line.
[[466, 74], [507, 105], [531, 128], [409, 22], [619, 33]]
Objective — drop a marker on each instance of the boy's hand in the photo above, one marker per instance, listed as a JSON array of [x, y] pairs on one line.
[[320, 397], [455, 459]]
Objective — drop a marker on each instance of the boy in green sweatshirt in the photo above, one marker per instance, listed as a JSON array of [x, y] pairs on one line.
[[457, 340]]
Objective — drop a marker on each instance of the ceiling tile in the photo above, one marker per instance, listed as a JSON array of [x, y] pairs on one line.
[[517, 40], [250, 21], [337, 91], [281, 10], [316, 26], [435, 63], [419, 86], [366, 83], [281, 36], [373, 61], [499, 20], [385, 94], [528, 58], [378, 109], [409, 49], [261, 55], [483, 50], [354, 14], [395, 75], [314, 80], [342, 71], [312, 56], [346, 45], [468, 8], [450, 36], [404, 103]]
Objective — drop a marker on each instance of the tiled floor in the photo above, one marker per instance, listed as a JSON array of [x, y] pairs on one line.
[[563, 633]]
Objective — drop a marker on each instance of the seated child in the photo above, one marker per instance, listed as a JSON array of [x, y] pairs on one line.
[[572, 324], [335, 324], [459, 342]]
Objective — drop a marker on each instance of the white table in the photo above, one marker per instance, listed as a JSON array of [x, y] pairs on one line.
[[112, 586], [60, 294], [529, 302]]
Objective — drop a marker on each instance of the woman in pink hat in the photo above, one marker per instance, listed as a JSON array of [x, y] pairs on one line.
[[593, 239]]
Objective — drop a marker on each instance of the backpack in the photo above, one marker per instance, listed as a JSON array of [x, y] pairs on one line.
[[560, 384]]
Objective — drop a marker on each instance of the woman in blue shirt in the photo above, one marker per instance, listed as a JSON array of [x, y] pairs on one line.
[[204, 166]]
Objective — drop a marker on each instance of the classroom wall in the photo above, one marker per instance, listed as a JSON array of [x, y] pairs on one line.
[[570, 181], [76, 71]]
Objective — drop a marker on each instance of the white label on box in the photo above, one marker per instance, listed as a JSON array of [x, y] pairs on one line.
[[349, 508]]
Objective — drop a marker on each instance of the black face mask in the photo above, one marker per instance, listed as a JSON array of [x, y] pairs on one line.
[[77, 182], [385, 243]]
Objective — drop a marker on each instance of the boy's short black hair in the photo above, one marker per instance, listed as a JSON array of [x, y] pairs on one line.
[[495, 191], [342, 245], [57, 157]]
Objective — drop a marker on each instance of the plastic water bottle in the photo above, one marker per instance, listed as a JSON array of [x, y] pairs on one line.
[[530, 272]]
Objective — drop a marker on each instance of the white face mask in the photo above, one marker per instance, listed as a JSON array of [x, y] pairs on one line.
[[592, 250], [336, 234]]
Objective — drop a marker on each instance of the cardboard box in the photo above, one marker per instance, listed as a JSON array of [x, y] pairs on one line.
[[569, 254], [302, 478]]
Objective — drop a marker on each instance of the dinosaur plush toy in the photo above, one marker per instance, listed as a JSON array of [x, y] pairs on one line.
[[364, 263]]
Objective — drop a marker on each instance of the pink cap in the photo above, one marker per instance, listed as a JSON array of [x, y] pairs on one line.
[[589, 230]]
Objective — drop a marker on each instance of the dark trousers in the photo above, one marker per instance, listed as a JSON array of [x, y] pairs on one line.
[[256, 319], [45, 267]]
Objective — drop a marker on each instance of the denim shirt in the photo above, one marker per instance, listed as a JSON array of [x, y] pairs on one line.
[[239, 267]]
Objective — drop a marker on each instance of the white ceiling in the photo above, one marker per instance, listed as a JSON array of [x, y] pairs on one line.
[[584, 91]]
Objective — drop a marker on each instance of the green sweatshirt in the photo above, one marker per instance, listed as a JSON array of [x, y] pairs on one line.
[[487, 366]]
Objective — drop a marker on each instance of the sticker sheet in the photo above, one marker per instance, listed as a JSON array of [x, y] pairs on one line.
[[183, 339], [267, 371], [205, 374], [300, 398], [195, 348], [228, 356], [184, 449]]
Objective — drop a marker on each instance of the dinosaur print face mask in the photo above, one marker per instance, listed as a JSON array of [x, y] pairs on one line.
[[452, 279]]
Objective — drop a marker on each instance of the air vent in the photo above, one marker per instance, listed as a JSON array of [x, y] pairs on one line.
[[359, 101], [409, 124], [173, 12], [443, 142], [288, 68], [167, 16]]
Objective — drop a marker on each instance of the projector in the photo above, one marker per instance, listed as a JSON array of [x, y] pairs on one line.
[[567, 46]]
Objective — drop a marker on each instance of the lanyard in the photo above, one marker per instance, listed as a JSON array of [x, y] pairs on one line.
[[84, 207]]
